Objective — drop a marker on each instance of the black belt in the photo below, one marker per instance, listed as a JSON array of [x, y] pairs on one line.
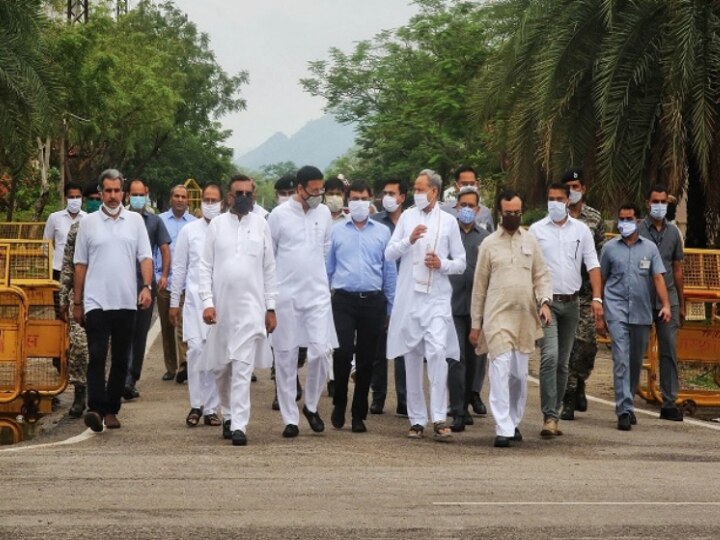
[[362, 294], [565, 297]]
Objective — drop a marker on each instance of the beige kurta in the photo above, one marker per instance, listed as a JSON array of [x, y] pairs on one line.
[[511, 277]]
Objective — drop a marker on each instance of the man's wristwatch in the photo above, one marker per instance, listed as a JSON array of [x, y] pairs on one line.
[[598, 300], [147, 286], [270, 310], [544, 301]]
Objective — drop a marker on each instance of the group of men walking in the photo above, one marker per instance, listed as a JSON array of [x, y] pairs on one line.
[[434, 285]]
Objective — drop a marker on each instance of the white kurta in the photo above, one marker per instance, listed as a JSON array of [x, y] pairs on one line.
[[237, 278], [422, 296], [189, 249], [300, 241]]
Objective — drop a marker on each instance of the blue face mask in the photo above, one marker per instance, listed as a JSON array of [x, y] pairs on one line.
[[658, 211], [466, 215], [137, 202]]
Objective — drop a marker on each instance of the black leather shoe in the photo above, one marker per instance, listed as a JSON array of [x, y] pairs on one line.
[[581, 403], [624, 422], [130, 392], [290, 431], [502, 442], [518, 436], [458, 424], [376, 407], [469, 419], [275, 403], [169, 376], [78, 406], [253, 378], [633, 419], [227, 432], [181, 375], [358, 426], [477, 405], [674, 414], [337, 418], [239, 438], [94, 421], [316, 423], [401, 410], [568, 412]]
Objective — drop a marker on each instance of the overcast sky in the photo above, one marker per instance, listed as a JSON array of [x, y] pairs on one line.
[[273, 40]]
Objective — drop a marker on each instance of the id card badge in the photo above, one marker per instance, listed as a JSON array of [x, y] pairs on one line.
[[645, 264]]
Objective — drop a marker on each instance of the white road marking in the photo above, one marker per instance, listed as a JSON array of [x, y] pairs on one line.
[[578, 503]]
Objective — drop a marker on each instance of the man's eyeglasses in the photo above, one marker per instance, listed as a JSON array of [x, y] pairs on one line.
[[242, 194], [516, 213]]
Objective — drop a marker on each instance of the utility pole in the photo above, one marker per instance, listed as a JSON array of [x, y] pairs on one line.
[[78, 11], [121, 8]]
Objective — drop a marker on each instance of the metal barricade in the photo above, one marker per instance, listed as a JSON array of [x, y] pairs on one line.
[[13, 320], [18, 230]]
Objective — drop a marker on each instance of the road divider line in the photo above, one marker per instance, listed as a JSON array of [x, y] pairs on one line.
[[577, 503]]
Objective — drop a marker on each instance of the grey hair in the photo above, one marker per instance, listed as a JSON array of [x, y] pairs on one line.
[[434, 178], [110, 174], [469, 189], [177, 186]]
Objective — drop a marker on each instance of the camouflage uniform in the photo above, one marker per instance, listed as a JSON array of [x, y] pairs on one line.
[[78, 354], [582, 357]]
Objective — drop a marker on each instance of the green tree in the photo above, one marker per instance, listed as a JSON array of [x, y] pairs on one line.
[[628, 89]]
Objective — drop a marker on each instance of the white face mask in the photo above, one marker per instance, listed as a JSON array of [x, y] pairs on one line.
[[359, 210], [283, 198], [557, 210], [627, 228], [658, 211], [390, 203], [210, 210], [421, 200], [112, 211], [73, 205], [575, 196], [334, 202]]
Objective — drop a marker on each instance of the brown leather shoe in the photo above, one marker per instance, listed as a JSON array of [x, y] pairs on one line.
[[550, 428], [111, 421]]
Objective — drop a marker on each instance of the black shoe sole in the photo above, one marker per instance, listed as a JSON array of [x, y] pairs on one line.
[[94, 422], [314, 421], [501, 442]]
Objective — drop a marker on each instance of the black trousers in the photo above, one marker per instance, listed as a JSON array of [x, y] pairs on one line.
[[143, 318], [380, 374], [100, 326], [462, 373], [359, 324]]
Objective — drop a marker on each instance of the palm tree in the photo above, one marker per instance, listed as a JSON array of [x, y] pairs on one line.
[[628, 88]]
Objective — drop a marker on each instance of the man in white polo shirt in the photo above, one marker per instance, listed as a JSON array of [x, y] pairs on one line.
[[109, 243], [58, 224]]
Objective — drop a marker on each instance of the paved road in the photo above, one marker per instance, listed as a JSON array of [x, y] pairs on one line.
[[155, 478]]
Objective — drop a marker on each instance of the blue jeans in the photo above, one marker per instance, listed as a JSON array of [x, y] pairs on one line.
[[555, 348], [629, 342]]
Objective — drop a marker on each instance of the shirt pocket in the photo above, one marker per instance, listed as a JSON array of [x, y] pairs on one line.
[[253, 246]]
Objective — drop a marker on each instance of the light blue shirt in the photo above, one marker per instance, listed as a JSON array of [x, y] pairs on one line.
[[173, 226], [356, 260]]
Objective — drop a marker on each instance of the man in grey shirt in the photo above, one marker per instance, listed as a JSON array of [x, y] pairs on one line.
[[669, 242], [466, 176], [630, 266]]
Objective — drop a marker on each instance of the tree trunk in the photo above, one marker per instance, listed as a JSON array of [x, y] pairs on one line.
[[44, 158], [697, 234], [13, 192]]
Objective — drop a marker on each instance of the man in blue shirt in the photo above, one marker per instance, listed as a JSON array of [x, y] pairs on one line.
[[630, 266], [363, 282], [174, 350]]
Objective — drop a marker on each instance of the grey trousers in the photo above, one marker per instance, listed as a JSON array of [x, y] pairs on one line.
[[629, 342], [461, 374], [667, 340], [555, 348]]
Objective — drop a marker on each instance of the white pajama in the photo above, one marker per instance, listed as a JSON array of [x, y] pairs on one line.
[[201, 383], [234, 380], [286, 371], [508, 390]]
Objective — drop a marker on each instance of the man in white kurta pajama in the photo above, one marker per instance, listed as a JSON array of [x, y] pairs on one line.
[[186, 275], [237, 289], [427, 242], [300, 231]]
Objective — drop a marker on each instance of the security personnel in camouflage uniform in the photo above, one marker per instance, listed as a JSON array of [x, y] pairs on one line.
[[78, 354], [582, 357]]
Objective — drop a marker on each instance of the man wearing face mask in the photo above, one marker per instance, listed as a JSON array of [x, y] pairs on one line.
[[511, 281], [582, 356], [335, 199], [301, 237], [185, 296], [427, 242], [285, 187], [669, 242], [567, 244], [78, 353], [363, 282], [394, 192], [58, 224], [631, 268], [159, 241], [465, 176], [109, 245], [237, 290], [461, 374]]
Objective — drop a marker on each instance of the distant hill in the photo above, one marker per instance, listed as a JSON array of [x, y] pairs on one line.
[[318, 143]]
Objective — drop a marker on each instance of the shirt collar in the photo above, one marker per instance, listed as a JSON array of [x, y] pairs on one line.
[[651, 226], [121, 215]]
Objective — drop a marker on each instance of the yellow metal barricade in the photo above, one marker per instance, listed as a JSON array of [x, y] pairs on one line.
[[17, 230], [194, 192], [30, 262], [13, 320], [10, 431]]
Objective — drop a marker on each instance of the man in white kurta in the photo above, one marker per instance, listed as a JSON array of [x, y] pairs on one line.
[[300, 231], [427, 242], [186, 276], [237, 289]]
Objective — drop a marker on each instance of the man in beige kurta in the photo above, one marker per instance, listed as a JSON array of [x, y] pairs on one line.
[[511, 281]]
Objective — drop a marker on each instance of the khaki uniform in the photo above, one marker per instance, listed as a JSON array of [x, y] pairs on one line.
[[78, 354]]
